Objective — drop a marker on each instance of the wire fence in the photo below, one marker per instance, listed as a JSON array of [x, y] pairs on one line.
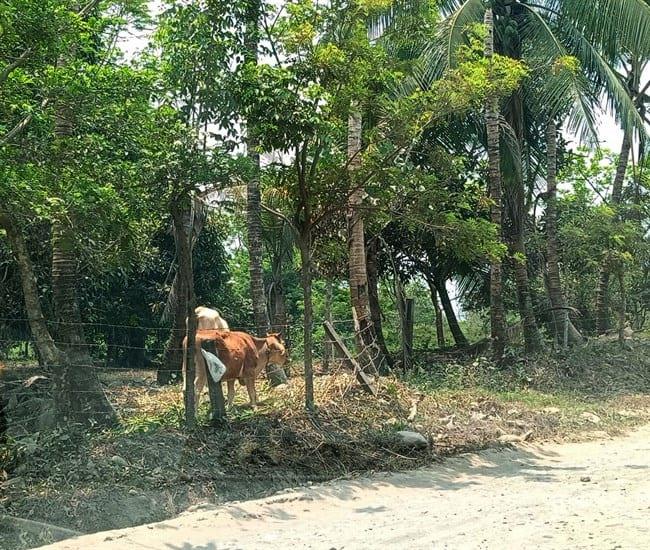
[[153, 342], [26, 390], [28, 386]]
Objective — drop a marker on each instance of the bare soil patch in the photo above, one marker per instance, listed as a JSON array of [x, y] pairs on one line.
[[151, 470]]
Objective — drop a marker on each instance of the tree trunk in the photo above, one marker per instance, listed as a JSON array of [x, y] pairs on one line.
[[602, 303], [358, 275], [274, 373], [328, 347], [621, 169], [373, 297], [255, 244], [185, 276], [278, 304], [400, 301], [497, 315], [136, 339], [43, 340], [556, 296], [440, 329], [532, 338], [170, 367], [79, 394], [452, 320], [621, 308], [306, 281]]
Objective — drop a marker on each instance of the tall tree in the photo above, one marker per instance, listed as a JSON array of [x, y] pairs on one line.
[[65, 183], [562, 324], [185, 276], [188, 218], [276, 375], [545, 32], [358, 273], [633, 66], [497, 315]]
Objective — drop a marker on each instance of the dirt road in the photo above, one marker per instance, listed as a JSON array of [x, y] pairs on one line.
[[587, 495]]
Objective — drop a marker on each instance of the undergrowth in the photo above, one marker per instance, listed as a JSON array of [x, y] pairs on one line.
[[150, 468]]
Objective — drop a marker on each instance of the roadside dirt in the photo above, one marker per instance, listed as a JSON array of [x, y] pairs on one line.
[[577, 495]]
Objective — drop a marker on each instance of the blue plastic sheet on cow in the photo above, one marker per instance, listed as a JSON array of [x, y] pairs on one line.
[[215, 366]]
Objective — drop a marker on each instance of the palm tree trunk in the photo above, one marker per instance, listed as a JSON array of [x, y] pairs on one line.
[[440, 328], [278, 303], [602, 303], [255, 244], [79, 393], [274, 373], [64, 281], [622, 308], [448, 308], [532, 338], [556, 296], [306, 282], [358, 274], [621, 169], [497, 314], [373, 296]]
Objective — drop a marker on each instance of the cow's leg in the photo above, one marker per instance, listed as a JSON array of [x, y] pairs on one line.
[[231, 393], [250, 386]]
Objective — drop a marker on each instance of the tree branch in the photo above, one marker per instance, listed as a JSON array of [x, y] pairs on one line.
[[20, 127], [4, 75], [280, 216]]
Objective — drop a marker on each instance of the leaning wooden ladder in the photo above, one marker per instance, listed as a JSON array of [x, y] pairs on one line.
[[349, 359]]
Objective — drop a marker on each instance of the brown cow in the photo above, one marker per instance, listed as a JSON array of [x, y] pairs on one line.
[[244, 356]]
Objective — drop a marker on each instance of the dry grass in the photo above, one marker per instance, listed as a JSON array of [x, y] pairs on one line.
[[151, 469]]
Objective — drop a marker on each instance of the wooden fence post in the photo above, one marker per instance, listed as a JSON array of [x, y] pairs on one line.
[[215, 389]]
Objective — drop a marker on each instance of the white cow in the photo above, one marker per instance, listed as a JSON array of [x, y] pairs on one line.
[[210, 319]]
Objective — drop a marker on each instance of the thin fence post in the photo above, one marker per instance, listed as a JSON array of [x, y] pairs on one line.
[[407, 332], [217, 401]]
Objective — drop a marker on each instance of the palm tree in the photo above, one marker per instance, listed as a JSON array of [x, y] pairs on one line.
[[632, 78], [79, 390], [539, 33], [562, 323], [253, 199], [358, 273], [497, 316]]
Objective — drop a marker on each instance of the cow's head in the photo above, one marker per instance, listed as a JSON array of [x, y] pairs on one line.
[[277, 349]]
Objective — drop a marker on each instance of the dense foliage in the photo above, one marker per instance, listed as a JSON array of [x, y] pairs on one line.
[[99, 151]]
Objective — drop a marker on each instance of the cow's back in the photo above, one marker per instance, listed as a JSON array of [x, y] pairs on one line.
[[210, 319]]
